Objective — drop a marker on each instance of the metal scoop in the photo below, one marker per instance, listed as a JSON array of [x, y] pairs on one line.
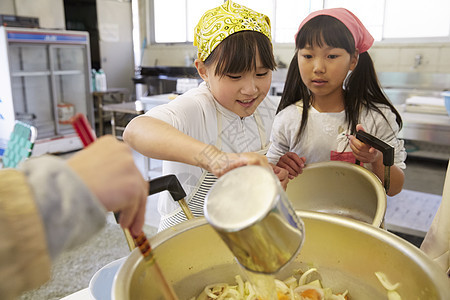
[[251, 212]]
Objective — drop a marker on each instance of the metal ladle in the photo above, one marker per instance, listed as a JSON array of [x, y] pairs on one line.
[[252, 214]]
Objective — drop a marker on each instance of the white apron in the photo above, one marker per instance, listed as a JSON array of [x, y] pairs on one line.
[[197, 198]]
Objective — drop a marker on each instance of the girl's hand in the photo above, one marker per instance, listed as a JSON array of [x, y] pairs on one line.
[[282, 174], [293, 163], [222, 162], [363, 152], [366, 154]]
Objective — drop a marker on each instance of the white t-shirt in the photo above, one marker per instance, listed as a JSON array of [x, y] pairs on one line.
[[195, 114], [326, 133]]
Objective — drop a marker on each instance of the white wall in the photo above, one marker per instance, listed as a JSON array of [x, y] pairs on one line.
[[49, 12], [115, 26], [163, 55], [7, 7], [116, 42]]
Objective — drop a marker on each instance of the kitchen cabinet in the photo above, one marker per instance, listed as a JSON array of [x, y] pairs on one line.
[[159, 80], [45, 77]]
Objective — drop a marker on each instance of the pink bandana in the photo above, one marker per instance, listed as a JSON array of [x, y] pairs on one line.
[[363, 39]]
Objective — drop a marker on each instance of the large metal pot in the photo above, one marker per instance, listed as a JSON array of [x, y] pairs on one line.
[[339, 188], [347, 254]]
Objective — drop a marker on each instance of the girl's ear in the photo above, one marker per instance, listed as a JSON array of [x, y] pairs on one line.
[[354, 60], [201, 69]]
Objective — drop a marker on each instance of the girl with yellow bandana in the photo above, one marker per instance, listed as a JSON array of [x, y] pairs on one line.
[[222, 124]]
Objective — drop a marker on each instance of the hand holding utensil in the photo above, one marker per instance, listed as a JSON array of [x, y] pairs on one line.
[[386, 149], [84, 131]]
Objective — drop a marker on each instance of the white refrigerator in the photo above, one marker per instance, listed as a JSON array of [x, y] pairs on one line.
[[44, 80]]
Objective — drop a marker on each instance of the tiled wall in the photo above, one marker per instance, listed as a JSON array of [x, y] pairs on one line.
[[434, 57], [398, 57]]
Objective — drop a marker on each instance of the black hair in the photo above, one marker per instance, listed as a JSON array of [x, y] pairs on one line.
[[361, 87], [237, 53]]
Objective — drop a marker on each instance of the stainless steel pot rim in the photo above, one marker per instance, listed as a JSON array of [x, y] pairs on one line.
[[369, 176], [368, 229], [430, 268]]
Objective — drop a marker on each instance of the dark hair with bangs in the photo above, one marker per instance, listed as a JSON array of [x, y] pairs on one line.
[[327, 30], [361, 88], [237, 53]]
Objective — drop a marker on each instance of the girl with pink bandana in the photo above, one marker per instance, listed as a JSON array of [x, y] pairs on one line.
[[332, 91]]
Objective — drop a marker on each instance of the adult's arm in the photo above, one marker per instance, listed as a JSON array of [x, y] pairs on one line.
[[24, 259], [49, 205]]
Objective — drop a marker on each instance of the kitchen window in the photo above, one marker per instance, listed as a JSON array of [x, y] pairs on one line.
[[387, 20], [174, 20]]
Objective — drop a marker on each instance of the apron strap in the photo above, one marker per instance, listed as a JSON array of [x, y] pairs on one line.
[[262, 134]]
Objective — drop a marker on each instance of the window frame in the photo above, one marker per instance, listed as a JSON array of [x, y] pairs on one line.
[[150, 26]]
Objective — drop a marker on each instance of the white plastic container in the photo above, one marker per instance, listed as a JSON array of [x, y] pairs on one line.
[[100, 81]]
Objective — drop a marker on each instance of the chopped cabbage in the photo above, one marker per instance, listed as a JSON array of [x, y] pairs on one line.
[[391, 288], [289, 289]]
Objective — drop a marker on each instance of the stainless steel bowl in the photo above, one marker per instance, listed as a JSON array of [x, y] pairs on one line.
[[347, 254], [339, 188]]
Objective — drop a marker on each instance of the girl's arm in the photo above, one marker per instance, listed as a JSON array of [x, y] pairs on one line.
[[397, 177], [157, 139]]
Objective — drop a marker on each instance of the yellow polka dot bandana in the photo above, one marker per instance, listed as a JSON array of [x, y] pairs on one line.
[[218, 23]]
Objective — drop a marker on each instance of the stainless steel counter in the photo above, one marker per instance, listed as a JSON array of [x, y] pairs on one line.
[[428, 133], [433, 128]]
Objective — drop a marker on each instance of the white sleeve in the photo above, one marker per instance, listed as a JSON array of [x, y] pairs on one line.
[[186, 113], [284, 132]]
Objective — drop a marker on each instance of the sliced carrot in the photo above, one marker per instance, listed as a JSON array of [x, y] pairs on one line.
[[311, 294]]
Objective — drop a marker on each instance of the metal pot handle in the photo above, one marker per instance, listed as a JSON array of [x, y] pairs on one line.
[[386, 149], [171, 184], [168, 183]]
